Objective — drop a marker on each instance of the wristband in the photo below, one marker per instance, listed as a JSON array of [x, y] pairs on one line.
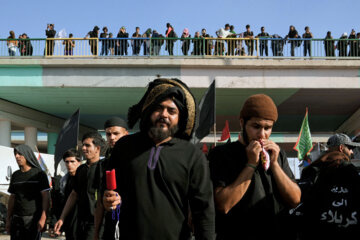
[[251, 165]]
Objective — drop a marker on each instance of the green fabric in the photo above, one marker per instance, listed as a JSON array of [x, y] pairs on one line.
[[304, 143]]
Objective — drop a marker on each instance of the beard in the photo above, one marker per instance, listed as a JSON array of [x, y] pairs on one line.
[[159, 133]]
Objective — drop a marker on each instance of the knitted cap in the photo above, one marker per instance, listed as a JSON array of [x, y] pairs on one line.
[[261, 106]]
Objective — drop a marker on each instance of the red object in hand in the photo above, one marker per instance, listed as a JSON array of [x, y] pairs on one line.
[[110, 180]]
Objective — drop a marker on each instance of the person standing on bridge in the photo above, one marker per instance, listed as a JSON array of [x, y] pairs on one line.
[[263, 41], [93, 42], [29, 197], [122, 45], [293, 33], [50, 44], [254, 186], [171, 38], [341, 45], [307, 43]]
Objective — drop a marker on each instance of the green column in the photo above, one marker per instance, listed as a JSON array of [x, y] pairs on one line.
[[51, 142]]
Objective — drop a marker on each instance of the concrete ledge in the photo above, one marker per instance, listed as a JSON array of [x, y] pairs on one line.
[[164, 62]]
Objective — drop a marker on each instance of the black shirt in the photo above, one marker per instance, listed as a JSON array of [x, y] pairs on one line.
[[158, 184], [27, 188], [330, 201], [86, 189], [50, 33], [258, 214]]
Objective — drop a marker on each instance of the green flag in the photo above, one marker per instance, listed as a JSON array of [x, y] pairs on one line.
[[304, 143]]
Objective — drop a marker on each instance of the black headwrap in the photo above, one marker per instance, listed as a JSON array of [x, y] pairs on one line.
[[115, 122], [29, 155], [159, 90]]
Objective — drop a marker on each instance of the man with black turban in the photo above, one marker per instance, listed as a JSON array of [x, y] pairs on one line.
[[254, 186], [160, 175], [115, 128], [29, 199]]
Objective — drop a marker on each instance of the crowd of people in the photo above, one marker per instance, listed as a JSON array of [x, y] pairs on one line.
[[234, 44], [165, 187]]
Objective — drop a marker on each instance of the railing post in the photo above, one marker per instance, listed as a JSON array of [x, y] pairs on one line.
[[45, 50], [203, 47], [97, 46], [150, 47]]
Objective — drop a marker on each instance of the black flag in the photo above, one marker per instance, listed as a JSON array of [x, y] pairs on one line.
[[68, 137], [207, 113]]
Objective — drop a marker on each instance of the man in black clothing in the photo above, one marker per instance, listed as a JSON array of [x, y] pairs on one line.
[[249, 43], [93, 42], [254, 186], [85, 191], [50, 44], [206, 48], [104, 42], [29, 197], [307, 43], [136, 43], [330, 200], [293, 33], [72, 162], [263, 41], [342, 143], [172, 38], [115, 128], [160, 175], [122, 45]]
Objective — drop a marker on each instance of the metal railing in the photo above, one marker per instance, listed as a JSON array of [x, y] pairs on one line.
[[181, 47]]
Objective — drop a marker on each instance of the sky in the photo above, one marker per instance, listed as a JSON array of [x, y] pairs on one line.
[[80, 16]]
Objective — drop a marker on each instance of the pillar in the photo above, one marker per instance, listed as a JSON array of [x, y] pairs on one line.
[[5, 133], [31, 137]]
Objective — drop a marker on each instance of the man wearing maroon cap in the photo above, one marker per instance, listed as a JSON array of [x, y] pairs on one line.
[[254, 186]]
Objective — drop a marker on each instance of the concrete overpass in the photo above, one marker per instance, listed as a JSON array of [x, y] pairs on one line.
[[55, 88]]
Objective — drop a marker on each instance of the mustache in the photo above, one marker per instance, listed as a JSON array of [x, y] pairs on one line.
[[163, 120]]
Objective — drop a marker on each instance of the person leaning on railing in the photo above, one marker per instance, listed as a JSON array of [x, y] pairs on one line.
[[157, 40], [263, 41], [231, 43], [307, 43], [104, 42], [352, 44], [219, 44], [146, 47], [93, 42], [111, 44], [249, 43], [122, 45], [170, 33], [341, 45], [185, 38], [207, 48], [28, 48], [293, 33], [329, 45], [136, 43], [198, 44], [12, 44], [69, 46]]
